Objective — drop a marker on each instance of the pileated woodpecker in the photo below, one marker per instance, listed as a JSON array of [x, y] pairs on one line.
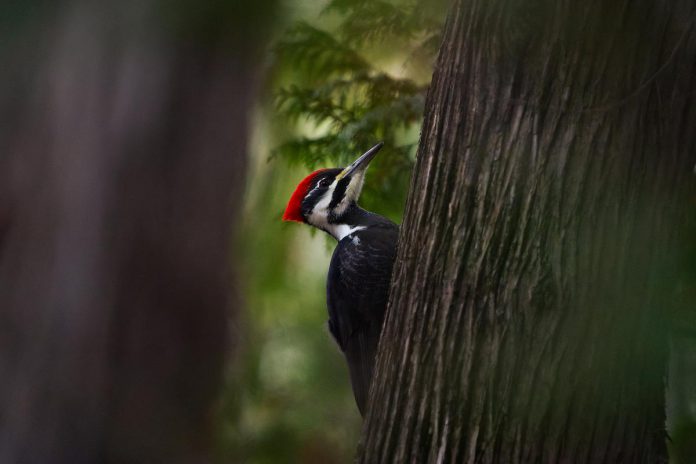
[[357, 285]]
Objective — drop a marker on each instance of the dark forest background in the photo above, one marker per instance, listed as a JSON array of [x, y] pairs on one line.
[[137, 115]]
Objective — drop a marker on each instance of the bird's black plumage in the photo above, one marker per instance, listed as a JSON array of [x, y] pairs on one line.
[[357, 290], [357, 286]]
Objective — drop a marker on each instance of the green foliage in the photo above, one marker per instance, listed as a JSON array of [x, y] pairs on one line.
[[369, 21], [316, 54], [335, 90]]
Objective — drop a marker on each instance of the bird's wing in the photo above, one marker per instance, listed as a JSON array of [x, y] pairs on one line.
[[357, 292]]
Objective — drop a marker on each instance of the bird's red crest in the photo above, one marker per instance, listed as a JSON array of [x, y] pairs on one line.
[[293, 212]]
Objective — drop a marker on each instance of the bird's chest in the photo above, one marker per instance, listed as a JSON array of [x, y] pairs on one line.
[[349, 264]]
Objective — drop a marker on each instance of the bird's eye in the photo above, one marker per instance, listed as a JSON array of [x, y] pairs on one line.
[[324, 183]]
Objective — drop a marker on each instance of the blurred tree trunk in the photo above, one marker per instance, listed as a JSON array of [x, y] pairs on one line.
[[123, 150], [536, 256]]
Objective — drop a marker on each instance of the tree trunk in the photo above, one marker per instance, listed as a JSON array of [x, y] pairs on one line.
[[123, 141], [525, 322]]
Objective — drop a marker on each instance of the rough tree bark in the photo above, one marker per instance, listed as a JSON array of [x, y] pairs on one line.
[[524, 323], [123, 152]]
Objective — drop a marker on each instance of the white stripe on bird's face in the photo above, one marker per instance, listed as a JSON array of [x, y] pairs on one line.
[[319, 216]]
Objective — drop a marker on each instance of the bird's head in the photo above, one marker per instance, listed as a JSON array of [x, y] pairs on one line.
[[324, 197]]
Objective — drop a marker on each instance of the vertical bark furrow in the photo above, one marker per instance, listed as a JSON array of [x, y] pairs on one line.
[[523, 322]]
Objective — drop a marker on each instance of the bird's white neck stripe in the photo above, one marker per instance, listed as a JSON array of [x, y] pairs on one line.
[[339, 231]]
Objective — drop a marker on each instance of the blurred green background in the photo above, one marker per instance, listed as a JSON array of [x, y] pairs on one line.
[[341, 75]]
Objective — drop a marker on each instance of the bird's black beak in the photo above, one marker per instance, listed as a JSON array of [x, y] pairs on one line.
[[361, 163]]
